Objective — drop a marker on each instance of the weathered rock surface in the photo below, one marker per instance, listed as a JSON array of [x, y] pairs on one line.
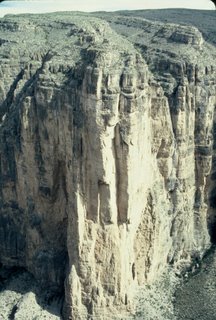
[[22, 298], [107, 145]]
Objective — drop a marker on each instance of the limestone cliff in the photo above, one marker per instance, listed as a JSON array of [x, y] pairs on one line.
[[107, 146]]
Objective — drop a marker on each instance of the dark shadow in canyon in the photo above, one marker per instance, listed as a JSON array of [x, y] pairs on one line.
[[21, 281]]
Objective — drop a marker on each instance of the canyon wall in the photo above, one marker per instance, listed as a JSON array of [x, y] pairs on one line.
[[107, 146]]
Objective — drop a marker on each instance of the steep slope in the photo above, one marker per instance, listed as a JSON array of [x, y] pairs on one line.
[[107, 154], [183, 64]]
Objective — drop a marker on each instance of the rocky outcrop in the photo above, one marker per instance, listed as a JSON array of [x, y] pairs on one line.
[[107, 154]]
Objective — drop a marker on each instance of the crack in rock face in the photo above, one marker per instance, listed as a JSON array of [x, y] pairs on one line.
[[107, 157]]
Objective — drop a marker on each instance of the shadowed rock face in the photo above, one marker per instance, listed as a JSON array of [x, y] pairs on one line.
[[107, 154]]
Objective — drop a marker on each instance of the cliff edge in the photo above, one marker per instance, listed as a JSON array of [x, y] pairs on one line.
[[107, 154]]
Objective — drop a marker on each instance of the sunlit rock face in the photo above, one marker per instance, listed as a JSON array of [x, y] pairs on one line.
[[107, 154]]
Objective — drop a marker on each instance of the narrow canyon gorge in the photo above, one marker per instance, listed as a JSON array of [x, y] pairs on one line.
[[107, 157]]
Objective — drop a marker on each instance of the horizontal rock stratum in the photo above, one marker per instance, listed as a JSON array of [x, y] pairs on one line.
[[107, 154]]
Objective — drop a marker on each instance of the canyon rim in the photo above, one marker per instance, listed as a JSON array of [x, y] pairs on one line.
[[107, 154]]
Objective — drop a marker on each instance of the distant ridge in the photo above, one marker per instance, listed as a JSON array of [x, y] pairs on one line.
[[204, 20]]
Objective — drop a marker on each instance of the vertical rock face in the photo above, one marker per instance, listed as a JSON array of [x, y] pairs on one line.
[[107, 154]]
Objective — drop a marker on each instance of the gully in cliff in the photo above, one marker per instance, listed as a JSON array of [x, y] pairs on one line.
[[107, 165]]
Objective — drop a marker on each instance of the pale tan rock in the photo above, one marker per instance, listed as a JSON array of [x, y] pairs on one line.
[[105, 166]]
